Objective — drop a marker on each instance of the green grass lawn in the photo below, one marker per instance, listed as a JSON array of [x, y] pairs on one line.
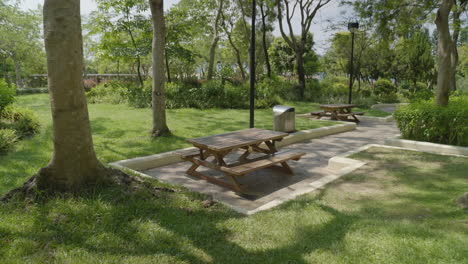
[[122, 132], [397, 209]]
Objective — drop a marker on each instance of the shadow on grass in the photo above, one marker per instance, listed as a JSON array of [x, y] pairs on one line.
[[111, 224]]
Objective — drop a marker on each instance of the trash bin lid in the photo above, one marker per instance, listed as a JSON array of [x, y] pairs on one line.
[[282, 109]]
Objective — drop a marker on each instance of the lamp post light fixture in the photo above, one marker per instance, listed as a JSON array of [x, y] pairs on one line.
[[353, 28]]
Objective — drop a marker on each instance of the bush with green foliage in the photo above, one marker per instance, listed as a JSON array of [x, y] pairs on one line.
[[22, 120], [140, 96], [385, 91], [424, 121], [22, 91], [215, 94], [7, 139], [113, 92], [7, 94], [415, 92], [334, 86]]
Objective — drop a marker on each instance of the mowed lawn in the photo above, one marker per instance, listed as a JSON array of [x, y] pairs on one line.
[[399, 208], [122, 132]]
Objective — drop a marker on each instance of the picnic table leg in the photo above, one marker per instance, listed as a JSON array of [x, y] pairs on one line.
[[286, 167], [271, 146], [192, 168], [334, 115], [236, 184], [356, 119], [196, 163]]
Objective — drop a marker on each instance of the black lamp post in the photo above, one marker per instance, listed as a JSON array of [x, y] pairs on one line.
[[352, 27], [252, 64]]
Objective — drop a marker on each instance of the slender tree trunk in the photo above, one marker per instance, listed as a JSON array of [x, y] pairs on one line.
[[138, 58], [19, 81], [244, 23], [359, 82], [238, 57], [140, 78], [264, 41], [168, 70], [74, 163], [233, 45], [444, 51], [118, 69], [159, 43], [214, 41]]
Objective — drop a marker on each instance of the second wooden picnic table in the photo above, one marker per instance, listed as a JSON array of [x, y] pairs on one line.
[[340, 111], [251, 140]]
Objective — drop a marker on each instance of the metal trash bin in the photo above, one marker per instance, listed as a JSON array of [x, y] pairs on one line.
[[284, 118]]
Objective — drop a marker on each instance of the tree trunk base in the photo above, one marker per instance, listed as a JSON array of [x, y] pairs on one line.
[[31, 192], [160, 132]]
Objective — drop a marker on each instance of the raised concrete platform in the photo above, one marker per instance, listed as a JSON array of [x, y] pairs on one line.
[[268, 188], [427, 146], [171, 157]]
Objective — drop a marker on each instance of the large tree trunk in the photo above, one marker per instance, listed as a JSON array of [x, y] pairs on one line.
[[264, 42], [444, 44], [159, 43], [74, 163], [300, 71], [214, 41], [460, 8]]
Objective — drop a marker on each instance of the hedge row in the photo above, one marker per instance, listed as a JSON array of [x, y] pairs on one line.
[[424, 121]]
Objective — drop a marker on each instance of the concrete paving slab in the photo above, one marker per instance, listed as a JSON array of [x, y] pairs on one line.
[[269, 187]]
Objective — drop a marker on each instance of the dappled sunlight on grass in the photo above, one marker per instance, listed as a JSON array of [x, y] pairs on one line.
[[122, 132], [398, 208]]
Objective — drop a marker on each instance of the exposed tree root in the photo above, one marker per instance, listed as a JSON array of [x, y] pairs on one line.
[[129, 184], [462, 201], [160, 133]]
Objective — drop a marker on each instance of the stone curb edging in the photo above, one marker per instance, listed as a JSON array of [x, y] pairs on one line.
[[377, 119], [171, 157], [427, 146]]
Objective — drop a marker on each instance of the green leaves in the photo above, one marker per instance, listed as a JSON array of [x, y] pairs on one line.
[[7, 95], [424, 121]]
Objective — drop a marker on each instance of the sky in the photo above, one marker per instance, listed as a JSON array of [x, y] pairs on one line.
[[320, 27]]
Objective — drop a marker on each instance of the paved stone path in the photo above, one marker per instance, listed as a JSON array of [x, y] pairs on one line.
[[268, 185]]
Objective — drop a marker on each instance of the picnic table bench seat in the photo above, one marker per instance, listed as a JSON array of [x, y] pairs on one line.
[[350, 114], [277, 158], [212, 150]]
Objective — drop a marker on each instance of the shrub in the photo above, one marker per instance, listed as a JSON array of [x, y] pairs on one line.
[[415, 92], [88, 84], [23, 121], [334, 86], [7, 94], [7, 139], [384, 86], [421, 95], [215, 94], [424, 121], [385, 91], [21, 91], [138, 96], [113, 92]]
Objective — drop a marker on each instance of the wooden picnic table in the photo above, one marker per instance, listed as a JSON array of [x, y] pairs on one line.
[[251, 140], [340, 112]]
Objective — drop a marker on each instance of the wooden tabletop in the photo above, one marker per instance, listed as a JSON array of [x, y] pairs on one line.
[[236, 139], [337, 106]]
